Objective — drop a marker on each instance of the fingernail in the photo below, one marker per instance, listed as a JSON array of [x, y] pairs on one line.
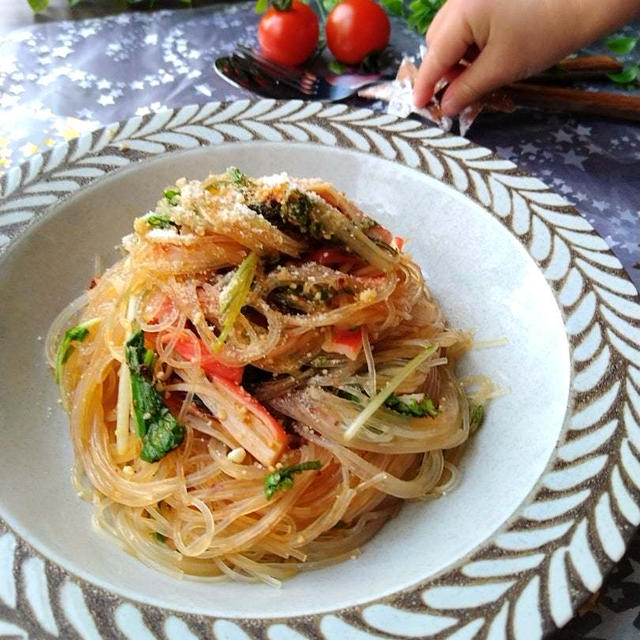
[[448, 107]]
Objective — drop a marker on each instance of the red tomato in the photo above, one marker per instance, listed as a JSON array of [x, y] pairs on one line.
[[356, 28], [288, 36]]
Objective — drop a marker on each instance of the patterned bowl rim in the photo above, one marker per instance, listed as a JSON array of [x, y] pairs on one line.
[[530, 576]]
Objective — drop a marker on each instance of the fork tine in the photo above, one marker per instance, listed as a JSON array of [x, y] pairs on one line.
[[254, 67], [276, 68], [304, 82]]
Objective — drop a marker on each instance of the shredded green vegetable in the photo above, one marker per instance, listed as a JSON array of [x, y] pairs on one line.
[[172, 195], [379, 399], [65, 348], [283, 478], [411, 406], [155, 425], [476, 416], [234, 296], [238, 179], [158, 221]]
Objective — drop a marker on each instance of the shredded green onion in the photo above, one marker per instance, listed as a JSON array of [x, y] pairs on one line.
[[476, 416], [160, 222], [172, 195], [378, 400], [234, 296], [334, 223]]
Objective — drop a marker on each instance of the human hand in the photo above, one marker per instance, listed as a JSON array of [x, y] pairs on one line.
[[505, 40]]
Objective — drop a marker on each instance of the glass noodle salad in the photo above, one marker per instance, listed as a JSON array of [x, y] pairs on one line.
[[260, 381]]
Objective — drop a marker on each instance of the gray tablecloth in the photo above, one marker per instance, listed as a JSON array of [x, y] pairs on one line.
[[60, 79]]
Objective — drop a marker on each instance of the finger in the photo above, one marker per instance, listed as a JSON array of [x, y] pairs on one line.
[[446, 49], [482, 76], [471, 53], [453, 73]]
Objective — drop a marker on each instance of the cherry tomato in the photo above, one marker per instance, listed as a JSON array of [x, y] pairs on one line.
[[288, 36], [356, 28]]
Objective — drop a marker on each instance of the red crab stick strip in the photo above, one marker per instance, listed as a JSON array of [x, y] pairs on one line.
[[249, 422], [255, 429], [194, 349], [348, 342]]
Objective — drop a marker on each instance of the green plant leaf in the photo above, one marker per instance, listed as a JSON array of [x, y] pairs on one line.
[[337, 67], [625, 76], [622, 45], [422, 12], [38, 5], [261, 6], [329, 4], [394, 7]]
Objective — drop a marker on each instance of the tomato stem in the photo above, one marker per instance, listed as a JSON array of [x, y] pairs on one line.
[[281, 5], [322, 11]]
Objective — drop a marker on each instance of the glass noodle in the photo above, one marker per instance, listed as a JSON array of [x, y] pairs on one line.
[[258, 333]]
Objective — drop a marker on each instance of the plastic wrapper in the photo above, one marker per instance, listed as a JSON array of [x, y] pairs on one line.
[[398, 94]]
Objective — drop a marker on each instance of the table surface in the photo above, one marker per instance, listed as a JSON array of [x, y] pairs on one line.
[[55, 84]]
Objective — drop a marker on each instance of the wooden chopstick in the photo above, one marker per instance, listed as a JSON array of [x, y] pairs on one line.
[[580, 68], [586, 63], [609, 105]]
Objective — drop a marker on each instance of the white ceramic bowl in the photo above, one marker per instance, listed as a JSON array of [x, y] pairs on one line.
[[549, 482]]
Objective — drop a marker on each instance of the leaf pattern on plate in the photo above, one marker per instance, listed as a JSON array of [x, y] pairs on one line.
[[527, 579]]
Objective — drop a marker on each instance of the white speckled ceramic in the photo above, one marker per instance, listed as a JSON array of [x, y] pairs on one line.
[[549, 493]]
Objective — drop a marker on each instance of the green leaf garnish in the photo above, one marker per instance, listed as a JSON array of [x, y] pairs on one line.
[[297, 209], [65, 348], [412, 406], [261, 6], [155, 425], [622, 45], [238, 179], [283, 478], [625, 76]]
